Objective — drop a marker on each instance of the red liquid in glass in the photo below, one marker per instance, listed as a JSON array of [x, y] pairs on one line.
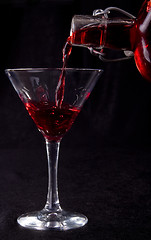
[[52, 121]]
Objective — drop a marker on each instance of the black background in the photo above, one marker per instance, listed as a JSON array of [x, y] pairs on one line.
[[104, 166]]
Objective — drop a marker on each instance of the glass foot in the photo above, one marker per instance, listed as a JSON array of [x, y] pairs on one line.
[[44, 220]]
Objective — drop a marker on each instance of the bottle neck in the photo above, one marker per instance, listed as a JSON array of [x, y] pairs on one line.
[[109, 33]]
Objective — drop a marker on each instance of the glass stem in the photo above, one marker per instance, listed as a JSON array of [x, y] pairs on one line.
[[52, 203]]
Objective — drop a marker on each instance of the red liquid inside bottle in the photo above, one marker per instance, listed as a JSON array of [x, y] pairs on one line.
[[116, 35]]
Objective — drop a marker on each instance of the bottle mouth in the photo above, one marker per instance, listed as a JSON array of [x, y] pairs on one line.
[[82, 21]]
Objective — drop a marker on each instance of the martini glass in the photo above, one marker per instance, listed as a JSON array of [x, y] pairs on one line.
[[36, 88]]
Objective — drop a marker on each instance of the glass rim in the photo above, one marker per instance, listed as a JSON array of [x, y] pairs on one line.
[[45, 69]]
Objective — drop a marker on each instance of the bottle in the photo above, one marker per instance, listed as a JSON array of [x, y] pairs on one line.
[[129, 34]]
